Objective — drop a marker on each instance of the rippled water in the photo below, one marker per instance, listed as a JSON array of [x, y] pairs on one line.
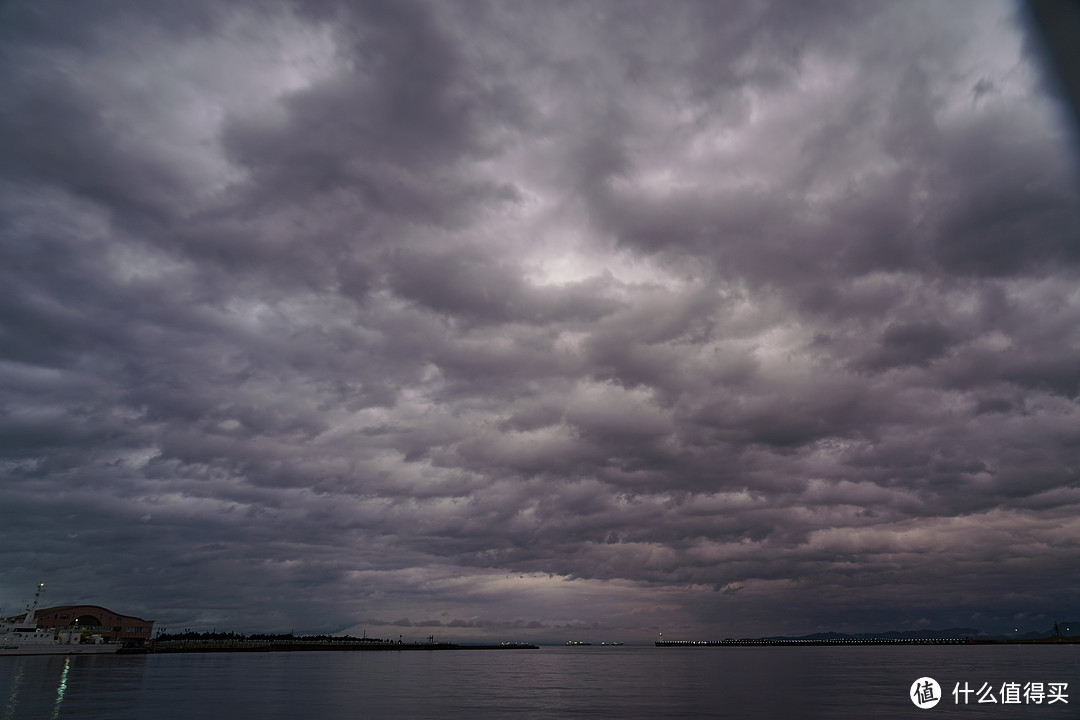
[[552, 682]]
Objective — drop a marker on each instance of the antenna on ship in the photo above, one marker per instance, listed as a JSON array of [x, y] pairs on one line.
[[32, 609], [37, 595]]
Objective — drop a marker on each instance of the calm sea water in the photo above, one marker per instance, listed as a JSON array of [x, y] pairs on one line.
[[552, 682]]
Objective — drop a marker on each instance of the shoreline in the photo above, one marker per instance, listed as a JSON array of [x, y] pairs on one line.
[[759, 642], [185, 646], [205, 646]]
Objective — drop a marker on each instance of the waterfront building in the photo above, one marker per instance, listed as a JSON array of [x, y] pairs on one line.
[[96, 620]]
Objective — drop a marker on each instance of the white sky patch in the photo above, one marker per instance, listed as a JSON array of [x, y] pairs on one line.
[[250, 314], [601, 397], [1055, 301], [134, 459], [760, 153], [170, 96], [320, 311], [1008, 532], [529, 448], [724, 502], [779, 346], [994, 341], [178, 506], [507, 601], [553, 243], [767, 145], [564, 268], [570, 341], [992, 66], [571, 259], [137, 263], [660, 182]]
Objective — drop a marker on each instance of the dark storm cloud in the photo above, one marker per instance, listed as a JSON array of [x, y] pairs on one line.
[[481, 317], [909, 344]]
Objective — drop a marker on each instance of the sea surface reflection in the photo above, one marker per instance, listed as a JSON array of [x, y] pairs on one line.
[[552, 682]]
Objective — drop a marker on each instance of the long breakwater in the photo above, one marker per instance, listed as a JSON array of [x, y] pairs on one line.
[[182, 646]]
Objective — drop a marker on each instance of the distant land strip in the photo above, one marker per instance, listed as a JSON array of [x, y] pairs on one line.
[[182, 646], [1062, 632], [867, 641]]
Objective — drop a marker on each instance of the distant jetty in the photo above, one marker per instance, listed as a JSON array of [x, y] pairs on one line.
[[1062, 633], [890, 639], [800, 642], [188, 642], [189, 646]]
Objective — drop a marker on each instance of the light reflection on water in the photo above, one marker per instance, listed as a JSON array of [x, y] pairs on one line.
[[552, 682], [13, 693], [61, 688]]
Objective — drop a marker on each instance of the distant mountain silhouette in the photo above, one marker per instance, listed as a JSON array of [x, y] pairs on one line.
[[1067, 629]]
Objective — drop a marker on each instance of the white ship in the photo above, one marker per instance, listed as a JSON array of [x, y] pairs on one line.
[[21, 636]]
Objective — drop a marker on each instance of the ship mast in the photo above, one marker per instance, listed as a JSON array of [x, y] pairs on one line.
[[30, 620]]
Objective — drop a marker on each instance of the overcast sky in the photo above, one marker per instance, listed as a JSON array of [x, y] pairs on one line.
[[541, 320]]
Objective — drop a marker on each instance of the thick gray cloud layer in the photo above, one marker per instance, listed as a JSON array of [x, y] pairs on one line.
[[526, 318]]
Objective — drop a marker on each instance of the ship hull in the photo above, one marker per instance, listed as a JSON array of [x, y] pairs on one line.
[[57, 649]]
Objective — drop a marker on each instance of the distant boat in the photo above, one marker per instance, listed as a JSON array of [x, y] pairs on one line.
[[21, 636], [577, 642], [611, 643]]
